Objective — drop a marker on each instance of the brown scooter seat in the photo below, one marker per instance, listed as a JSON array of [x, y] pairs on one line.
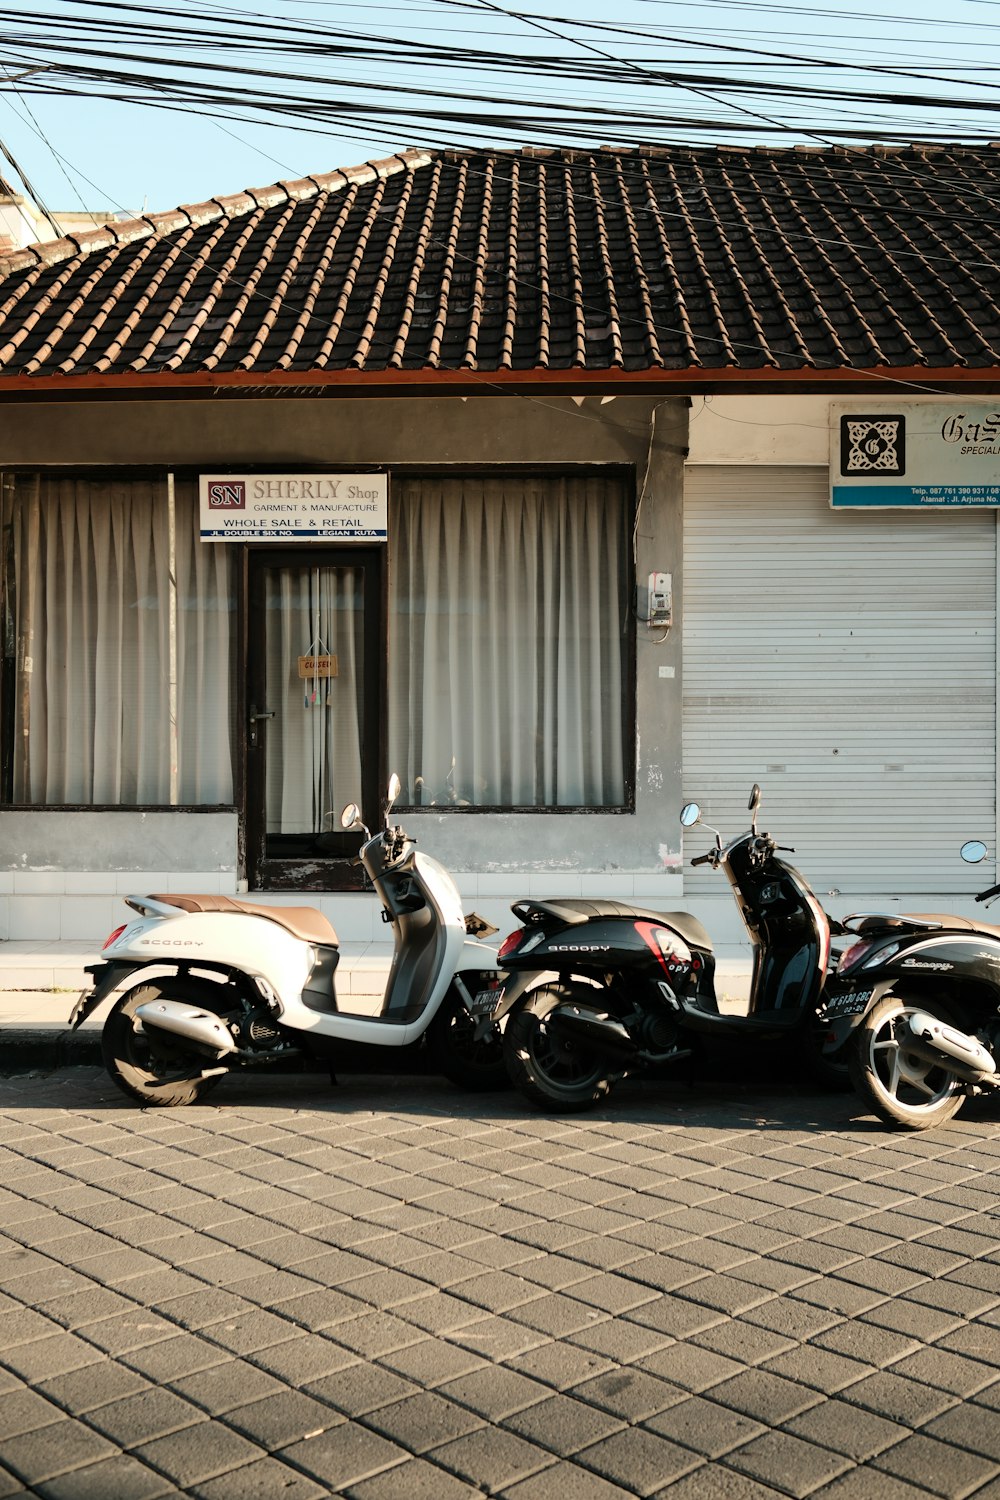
[[866, 923], [303, 922], [958, 924]]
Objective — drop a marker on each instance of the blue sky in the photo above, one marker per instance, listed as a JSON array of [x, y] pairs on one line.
[[127, 157]]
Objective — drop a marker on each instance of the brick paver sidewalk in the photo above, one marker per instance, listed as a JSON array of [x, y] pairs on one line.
[[386, 1291]]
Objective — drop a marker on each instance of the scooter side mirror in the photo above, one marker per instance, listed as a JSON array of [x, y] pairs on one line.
[[395, 787], [754, 802], [350, 815], [974, 852], [690, 814]]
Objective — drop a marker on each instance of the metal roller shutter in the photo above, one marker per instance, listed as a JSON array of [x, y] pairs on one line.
[[847, 662]]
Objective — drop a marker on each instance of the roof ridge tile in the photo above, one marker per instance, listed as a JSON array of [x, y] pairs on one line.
[[247, 200]]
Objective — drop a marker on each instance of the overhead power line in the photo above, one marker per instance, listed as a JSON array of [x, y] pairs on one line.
[[107, 49]]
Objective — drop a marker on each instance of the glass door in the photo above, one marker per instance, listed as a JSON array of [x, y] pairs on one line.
[[313, 714]]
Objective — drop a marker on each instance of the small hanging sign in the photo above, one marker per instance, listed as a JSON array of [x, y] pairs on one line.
[[318, 666]]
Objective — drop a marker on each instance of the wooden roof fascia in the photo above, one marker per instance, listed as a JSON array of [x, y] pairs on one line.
[[902, 383]]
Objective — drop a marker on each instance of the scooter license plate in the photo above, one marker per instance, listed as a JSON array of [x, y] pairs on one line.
[[485, 1002], [854, 1003]]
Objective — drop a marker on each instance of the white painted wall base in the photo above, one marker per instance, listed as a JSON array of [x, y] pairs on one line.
[[60, 905], [65, 906]]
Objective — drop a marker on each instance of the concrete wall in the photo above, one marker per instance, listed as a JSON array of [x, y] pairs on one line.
[[385, 431], [125, 839]]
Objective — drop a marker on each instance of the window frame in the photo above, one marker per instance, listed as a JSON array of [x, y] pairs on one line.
[[95, 473], [628, 722]]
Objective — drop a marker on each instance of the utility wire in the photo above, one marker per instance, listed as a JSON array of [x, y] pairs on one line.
[[664, 328]]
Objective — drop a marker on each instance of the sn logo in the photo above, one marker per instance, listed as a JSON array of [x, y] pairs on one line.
[[227, 494]]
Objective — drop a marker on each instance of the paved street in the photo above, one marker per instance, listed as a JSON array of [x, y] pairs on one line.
[[385, 1291]]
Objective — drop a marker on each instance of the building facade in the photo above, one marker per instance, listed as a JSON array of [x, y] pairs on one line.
[[515, 476]]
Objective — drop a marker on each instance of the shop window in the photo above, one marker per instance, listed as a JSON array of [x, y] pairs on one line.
[[510, 649], [117, 629]]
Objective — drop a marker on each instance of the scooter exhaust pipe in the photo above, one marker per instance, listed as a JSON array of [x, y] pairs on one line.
[[591, 1028], [188, 1021], [936, 1042]]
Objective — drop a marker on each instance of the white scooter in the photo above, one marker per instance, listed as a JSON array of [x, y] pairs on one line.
[[248, 985]]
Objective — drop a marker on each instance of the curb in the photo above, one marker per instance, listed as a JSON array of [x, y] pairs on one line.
[[23, 1048], [26, 1049]]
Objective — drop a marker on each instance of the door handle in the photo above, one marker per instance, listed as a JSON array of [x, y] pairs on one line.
[[253, 719]]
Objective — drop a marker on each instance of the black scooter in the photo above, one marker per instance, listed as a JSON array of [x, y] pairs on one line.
[[635, 989], [915, 1006]]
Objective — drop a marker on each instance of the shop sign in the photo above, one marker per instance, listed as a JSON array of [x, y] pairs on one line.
[[294, 507], [927, 455]]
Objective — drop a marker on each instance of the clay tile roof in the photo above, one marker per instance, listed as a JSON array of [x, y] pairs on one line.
[[660, 259]]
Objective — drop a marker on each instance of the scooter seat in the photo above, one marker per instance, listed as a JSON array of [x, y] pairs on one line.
[[956, 924], [864, 924], [303, 922], [574, 911]]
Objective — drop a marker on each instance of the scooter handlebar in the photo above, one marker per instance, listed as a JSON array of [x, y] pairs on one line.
[[994, 890], [705, 859]]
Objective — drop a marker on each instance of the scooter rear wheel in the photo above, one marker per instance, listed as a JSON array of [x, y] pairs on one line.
[[152, 1068], [476, 1065], [554, 1073], [902, 1088]]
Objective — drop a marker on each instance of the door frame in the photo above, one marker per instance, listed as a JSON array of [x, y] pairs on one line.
[[336, 872]]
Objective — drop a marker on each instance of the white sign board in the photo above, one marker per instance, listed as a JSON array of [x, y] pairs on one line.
[[933, 454], [294, 507]]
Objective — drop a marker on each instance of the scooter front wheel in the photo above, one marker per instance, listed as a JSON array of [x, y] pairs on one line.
[[554, 1072], [901, 1087], [153, 1068]]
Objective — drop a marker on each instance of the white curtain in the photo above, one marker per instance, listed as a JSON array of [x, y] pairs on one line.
[[314, 739], [509, 619], [122, 691]]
